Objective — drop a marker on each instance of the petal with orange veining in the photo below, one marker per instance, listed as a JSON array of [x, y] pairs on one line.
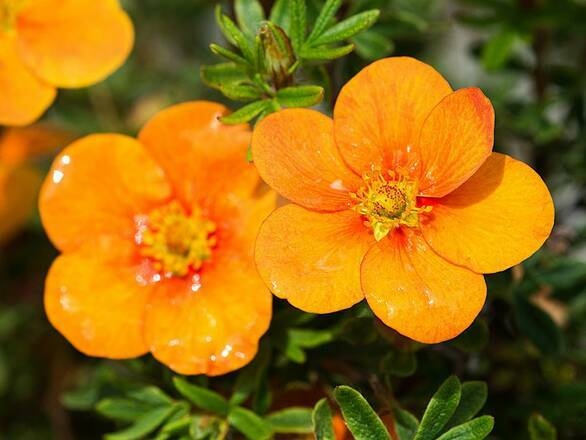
[[418, 293], [74, 43], [295, 154], [496, 219], [379, 113], [455, 140], [98, 186], [313, 259]]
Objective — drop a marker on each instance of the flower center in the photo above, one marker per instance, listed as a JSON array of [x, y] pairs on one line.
[[388, 200], [9, 10], [176, 241]]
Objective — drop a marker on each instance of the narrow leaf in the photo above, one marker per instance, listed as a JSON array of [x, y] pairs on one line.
[[291, 420], [219, 75], [125, 410], [239, 39], [220, 22], [150, 395], [146, 424], [246, 113], [498, 50], [371, 45], [440, 409], [249, 14], [298, 17], [280, 14], [202, 397], [323, 427], [406, 424], [473, 397], [363, 422], [475, 429], [303, 96], [328, 11], [228, 54], [348, 28], [241, 92], [249, 424], [326, 53], [541, 429]]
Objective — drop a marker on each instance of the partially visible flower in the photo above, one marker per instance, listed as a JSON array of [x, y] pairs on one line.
[[20, 179], [157, 238], [399, 199], [50, 44]]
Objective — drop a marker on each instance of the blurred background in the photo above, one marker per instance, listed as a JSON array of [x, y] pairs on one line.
[[529, 344]]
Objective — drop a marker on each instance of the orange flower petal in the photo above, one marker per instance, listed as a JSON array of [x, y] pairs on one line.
[[74, 43], [93, 299], [418, 293], [295, 153], [202, 157], [495, 220], [24, 97], [380, 112], [96, 187], [18, 194], [455, 140], [211, 325], [313, 259]]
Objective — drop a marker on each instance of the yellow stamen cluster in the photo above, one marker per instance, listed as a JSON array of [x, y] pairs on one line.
[[176, 241], [9, 10], [388, 201]]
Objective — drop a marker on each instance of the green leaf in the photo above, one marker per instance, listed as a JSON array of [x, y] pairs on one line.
[[291, 420], [280, 14], [440, 409], [202, 397], [246, 113], [406, 424], [325, 53], [363, 422], [323, 426], [144, 425], [541, 429], [219, 75], [249, 424], [176, 426], [371, 45], [347, 28], [151, 395], [327, 13], [206, 427], [228, 54], [249, 14], [220, 22], [241, 92], [238, 39], [537, 326], [473, 398], [125, 410], [298, 17], [498, 49], [398, 363], [300, 96], [475, 429]]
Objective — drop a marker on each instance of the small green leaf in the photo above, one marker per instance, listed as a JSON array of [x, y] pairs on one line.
[[323, 426], [295, 353], [241, 92], [347, 28], [541, 429], [125, 410], [300, 96], [220, 22], [291, 420], [537, 326], [475, 429], [327, 13], [151, 395], [228, 54], [249, 424], [406, 424], [206, 427], [371, 45], [202, 397], [363, 422], [440, 409], [144, 425], [249, 14], [498, 49], [219, 75], [238, 38], [325, 53], [246, 113], [176, 426], [280, 14], [473, 397], [298, 18]]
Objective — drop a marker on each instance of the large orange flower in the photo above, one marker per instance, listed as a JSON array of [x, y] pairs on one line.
[[398, 199], [46, 44], [157, 238]]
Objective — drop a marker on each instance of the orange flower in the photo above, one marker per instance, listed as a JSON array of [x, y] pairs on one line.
[[19, 178], [46, 44], [398, 199], [157, 236]]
